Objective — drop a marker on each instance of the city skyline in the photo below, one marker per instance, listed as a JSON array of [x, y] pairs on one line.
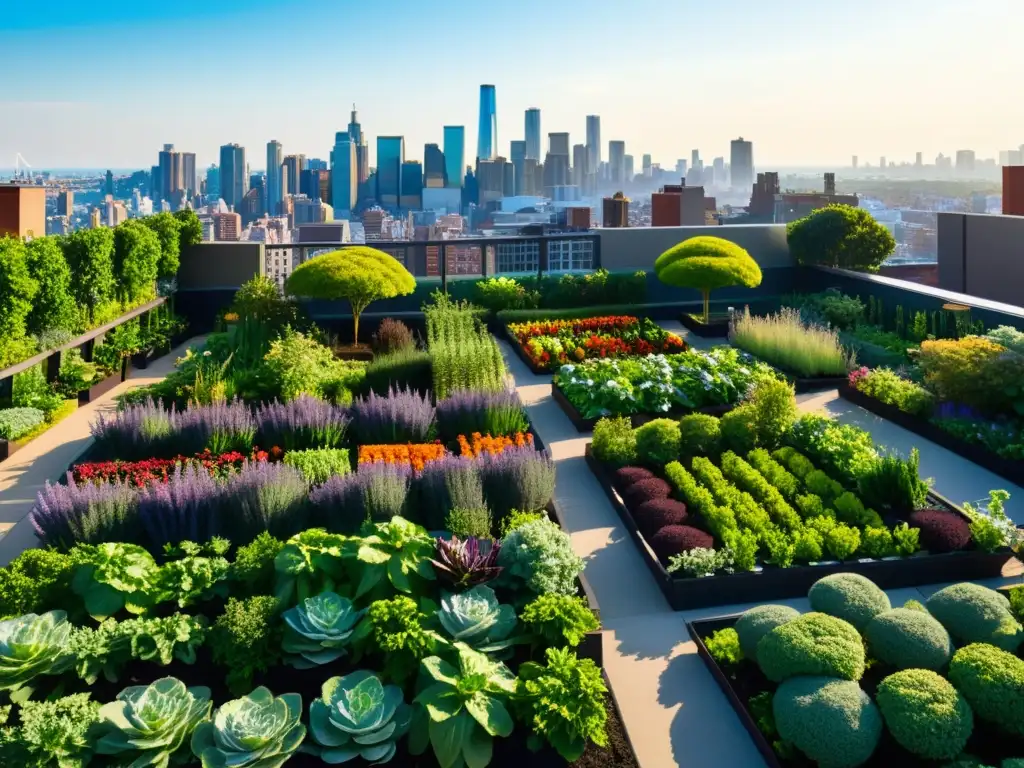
[[747, 71]]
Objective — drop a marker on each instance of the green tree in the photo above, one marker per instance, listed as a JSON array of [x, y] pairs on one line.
[[90, 255], [191, 229], [54, 306], [17, 289], [840, 236], [359, 274], [136, 256], [168, 230], [707, 264]]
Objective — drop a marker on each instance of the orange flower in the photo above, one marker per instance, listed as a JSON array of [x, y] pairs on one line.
[[415, 455], [480, 444]]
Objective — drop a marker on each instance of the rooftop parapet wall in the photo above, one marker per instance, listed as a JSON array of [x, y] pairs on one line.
[[631, 248]]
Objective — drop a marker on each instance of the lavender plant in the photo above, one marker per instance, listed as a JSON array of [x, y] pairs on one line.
[[65, 515], [489, 413], [377, 492], [264, 496], [219, 427], [449, 483], [140, 431], [185, 508], [517, 478], [306, 422], [404, 416]]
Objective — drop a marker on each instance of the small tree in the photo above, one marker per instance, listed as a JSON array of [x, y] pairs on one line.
[[359, 274], [168, 230], [90, 255], [54, 306], [136, 255], [17, 289], [191, 228], [707, 264], [840, 236]]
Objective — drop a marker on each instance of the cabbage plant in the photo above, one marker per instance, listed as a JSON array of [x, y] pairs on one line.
[[255, 731], [357, 716], [475, 618], [399, 549], [32, 645], [318, 629], [113, 576], [148, 724]]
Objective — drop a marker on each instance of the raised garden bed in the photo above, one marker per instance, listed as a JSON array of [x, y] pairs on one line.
[[772, 583], [142, 360], [521, 353], [1009, 469], [717, 326], [637, 419], [103, 386], [359, 352]]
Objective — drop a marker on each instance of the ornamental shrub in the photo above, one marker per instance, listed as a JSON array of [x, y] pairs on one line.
[[645, 490], [168, 232], [738, 429], [53, 306], [15, 422], [758, 622], [925, 714], [653, 515], [774, 408], [848, 596], [357, 274], [676, 539], [973, 371], [841, 236], [907, 638], [775, 473], [941, 530], [17, 290], [707, 264], [136, 260], [539, 557], [657, 442], [842, 541], [614, 441], [976, 614], [409, 368], [813, 644], [831, 721], [992, 681], [699, 435], [724, 647], [626, 476], [90, 255], [392, 336]]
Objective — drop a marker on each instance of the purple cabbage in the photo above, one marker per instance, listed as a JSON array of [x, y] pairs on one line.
[[520, 478], [264, 496], [446, 484], [218, 427], [141, 431], [185, 508], [65, 515], [376, 492], [463, 564], [404, 416], [490, 413], [306, 422]]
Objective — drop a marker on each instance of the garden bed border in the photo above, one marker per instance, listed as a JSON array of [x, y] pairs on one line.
[[103, 386], [1008, 469], [141, 360], [636, 419], [521, 353], [780, 583], [716, 329]]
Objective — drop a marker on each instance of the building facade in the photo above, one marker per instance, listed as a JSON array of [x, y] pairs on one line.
[[344, 175], [487, 138], [22, 211], [233, 178], [741, 164], [532, 134], [275, 193], [455, 154], [390, 156], [593, 142], [617, 162]]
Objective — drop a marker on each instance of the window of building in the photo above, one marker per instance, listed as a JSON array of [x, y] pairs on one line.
[[520, 256], [570, 255]]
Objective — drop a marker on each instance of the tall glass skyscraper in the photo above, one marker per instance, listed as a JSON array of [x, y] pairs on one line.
[[274, 192], [344, 175], [593, 142], [233, 181], [390, 156], [533, 134], [455, 154], [487, 138]]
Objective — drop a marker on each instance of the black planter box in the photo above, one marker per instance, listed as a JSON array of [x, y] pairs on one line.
[[717, 328], [772, 583], [521, 353], [103, 386], [637, 419], [1009, 469], [815, 383], [8, 448]]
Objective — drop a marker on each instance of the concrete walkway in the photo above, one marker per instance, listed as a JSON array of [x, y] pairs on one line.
[[48, 456], [674, 711]]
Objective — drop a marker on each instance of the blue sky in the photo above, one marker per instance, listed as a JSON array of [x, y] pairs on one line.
[[809, 82]]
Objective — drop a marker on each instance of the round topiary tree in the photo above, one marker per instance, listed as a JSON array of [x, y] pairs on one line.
[[849, 596], [976, 614], [909, 638], [840, 236], [358, 274], [813, 644], [925, 714], [991, 680], [707, 264], [758, 622]]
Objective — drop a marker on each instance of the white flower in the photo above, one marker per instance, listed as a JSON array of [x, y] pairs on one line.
[[567, 369], [207, 353], [611, 383]]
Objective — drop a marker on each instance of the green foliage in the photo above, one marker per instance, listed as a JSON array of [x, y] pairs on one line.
[[246, 639], [308, 564], [398, 629], [111, 577], [699, 435], [147, 725], [502, 293], [255, 731], [787, 483], [168, 231], [190, 228], [991, 680], [17, 290], [399, 549], [813, 644], [52, 733], [848, 596], [724, 647], [1007, 336], [476, 618], [34, 580], [463, 354], [559, 620], [840, 236], [721, 520], [32, 645], [887, 386], [756, 622], [991, 529], [976, 372], [318, 465], [707, 264], [301, 365], [469, 522], [252, 570], [831, 307], [136, 260], [318, 630], [976, 614], [831, 721], [773, 406], [657, 442], [753, 482], [614, 441], [877, 543], [392, 336], [905, 539], [784, 340], [894, 485], [53, 305], [842, 541], [701, 561], [907, 638], [16, 422], [808, 545], [517, 519], [358, 274], [90, 255], [410, 368], [357, 716], [563, 702], [539, 558], [843, 450]]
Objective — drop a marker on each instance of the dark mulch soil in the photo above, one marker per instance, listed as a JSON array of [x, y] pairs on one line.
[[619, 752]]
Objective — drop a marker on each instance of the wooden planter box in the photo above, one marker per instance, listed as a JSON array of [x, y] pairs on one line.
[[1010, 469], [717, 328], [637, 419], [362, 353], [684, 593], [103, 386]]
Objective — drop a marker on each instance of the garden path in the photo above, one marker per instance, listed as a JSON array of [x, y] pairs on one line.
[[47, 457]]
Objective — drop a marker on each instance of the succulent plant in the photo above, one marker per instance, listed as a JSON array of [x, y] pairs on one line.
[[317, 630], [148, 724], [32, 645], [476, 618], [358, 716], [255, 731], [464, 563]]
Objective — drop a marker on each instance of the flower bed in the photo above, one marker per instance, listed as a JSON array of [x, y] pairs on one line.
[[937, 688], [141, 473], [545, 345], [416, 456], [477, 444]]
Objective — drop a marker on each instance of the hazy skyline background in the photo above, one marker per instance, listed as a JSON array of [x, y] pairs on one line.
[[808, 83]]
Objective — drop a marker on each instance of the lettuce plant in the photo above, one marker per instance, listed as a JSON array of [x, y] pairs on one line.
[[464, 563], [464, 708], [559, 620], [200, 574], [358, 716], [399, 629], [399, 549], [32, 645], [255, 731], [148, 724], [112, 577], [318, 629], [477, 619], [309, 563]]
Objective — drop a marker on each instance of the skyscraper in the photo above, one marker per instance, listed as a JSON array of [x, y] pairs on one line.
[[108, 184], [487, 138], [233, 181], [355, 131], [617, 161], [741, 164], [918, 159], [344, 174], [390, 156], [411, 197], [580, 168], [433, 166], [593, 143], [455, 154], [532, 134], [295, 165], [558, 143], [629, 170], [519, 164], [275, 192], [645, 165], [965, 161], [170, 172]]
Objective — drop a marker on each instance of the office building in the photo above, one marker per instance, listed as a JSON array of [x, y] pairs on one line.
[[65, 202], [593, 143], [115, 212], [578, 217], [455, 154], [790, 206], [108, 183], [615, 209], [629, 169], [189, 180], [309, 211], [169, 176], [680, 205], [390, 156], [254, 203], [855, 162], [581, 168], [556, 172], [316, 164], [275, 191], [227, 226], [232, 174], [315, 184], [433, 166], [741, 164], [532, 134], [95, 218], [213, 183], [294, 164], [344, 174], [617, 162], [487, 138], [558, 143], [411, 198], [965, 161], [355, 131], [1013, 190], [518, 154], [154, 182], [881, 162], [645, 165], [918, 159], [22, 211], [490, 180], [718, 166]]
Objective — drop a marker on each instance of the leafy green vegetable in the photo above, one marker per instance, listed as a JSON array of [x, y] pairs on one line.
[[539, 556], [32, 645], [247, 638], [35, 579], [318, 629], [559, 620], [111, 577], [358, 716], [309, 563], [52, 733], [475, 618], [397, 548], [397, 628], [252, 572], [255, 731], [724, 646], [200, 574]]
